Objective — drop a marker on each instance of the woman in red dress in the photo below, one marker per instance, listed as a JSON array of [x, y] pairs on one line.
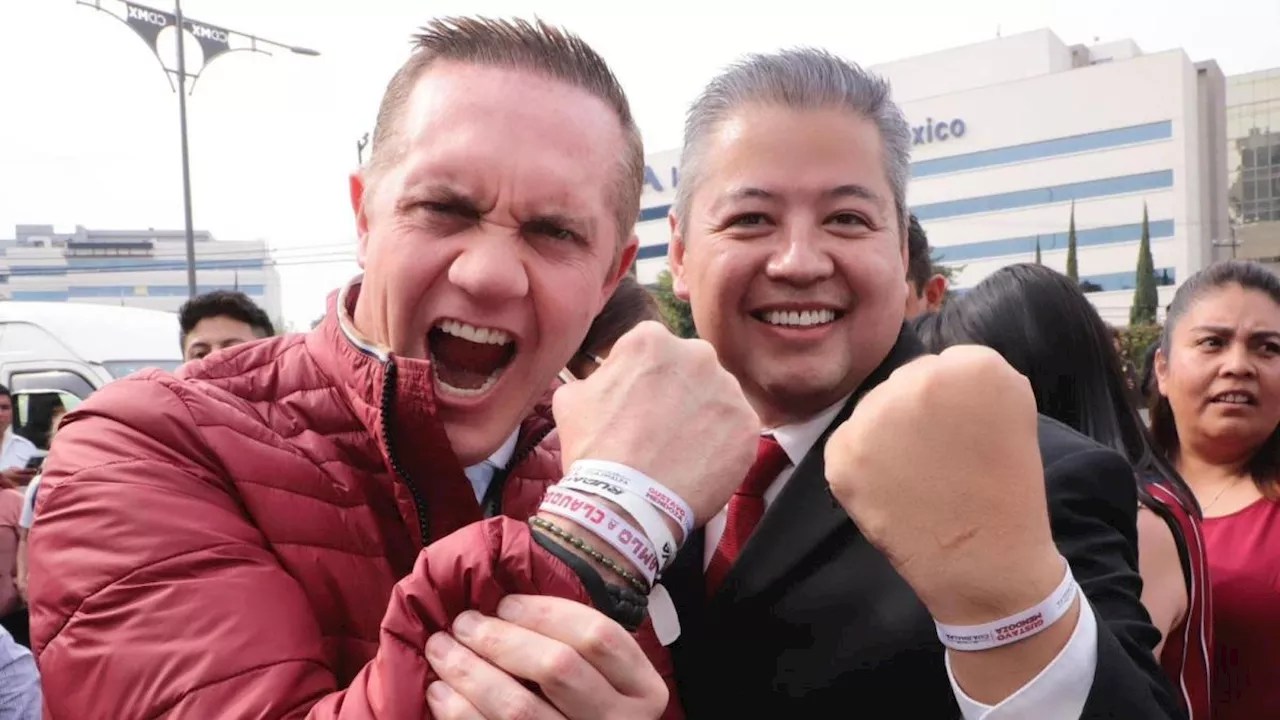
[[1217, 416], [1046, 328]]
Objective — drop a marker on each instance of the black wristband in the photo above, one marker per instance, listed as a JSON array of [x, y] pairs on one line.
[[624, 605]]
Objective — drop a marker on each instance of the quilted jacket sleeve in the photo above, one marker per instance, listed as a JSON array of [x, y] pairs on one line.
[[473, 568], [153, 595]]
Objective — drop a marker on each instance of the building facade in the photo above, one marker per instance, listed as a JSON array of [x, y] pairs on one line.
[[1253, 163], [1013, 135], [136, 268]]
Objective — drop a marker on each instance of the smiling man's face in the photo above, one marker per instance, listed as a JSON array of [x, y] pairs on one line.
[[791, 256]]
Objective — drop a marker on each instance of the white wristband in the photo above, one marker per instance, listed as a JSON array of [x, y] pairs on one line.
[[639, 484], [972, 638], [605, 524], [640, 510]]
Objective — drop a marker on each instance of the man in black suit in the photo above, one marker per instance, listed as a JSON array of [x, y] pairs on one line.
[[787, 239], [896, 497]]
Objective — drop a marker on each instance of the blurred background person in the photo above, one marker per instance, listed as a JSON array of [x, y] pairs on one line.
[[630, 305], [15, 451], [20, 694], [925, 289], [13, 611], [1127, 368], [1216, 416], [1045, 327], [28, 515], [219, 320]]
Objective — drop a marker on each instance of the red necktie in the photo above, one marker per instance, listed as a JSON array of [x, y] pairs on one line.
[[745, 509]]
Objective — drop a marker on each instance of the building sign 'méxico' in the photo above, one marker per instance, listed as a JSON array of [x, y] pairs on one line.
[[942, 131]]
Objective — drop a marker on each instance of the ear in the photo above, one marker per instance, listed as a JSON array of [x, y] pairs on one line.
[[934, 292], [1162, 371], [675, 259], [357, 187], [626, 258]]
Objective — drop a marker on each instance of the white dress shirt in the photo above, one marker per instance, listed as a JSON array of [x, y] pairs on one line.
[[1059, 692], [481, 474], [29, 504], [15, 451]]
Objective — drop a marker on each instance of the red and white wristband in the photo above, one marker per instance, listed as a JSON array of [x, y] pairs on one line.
[[640, 510], [638, 484], [604, 523], [1009, 630]]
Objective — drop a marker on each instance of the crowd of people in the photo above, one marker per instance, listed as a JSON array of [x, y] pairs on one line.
[[491, 484]]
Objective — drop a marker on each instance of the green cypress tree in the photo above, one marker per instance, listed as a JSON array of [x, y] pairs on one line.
[[1073, 271], [1145, 297], [1038, 261]]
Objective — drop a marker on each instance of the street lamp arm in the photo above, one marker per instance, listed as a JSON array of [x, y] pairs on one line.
[[148, 22]]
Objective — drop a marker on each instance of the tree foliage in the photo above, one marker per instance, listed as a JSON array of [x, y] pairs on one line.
[[1134, 341], [1146, 299], [675, 312], [1073, 270]]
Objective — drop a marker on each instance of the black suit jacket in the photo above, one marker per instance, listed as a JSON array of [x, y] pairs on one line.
[[812, 621]]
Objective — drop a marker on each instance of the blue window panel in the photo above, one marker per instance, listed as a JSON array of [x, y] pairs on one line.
[[1044, 149], [1123, 280], [37, 271], [129, 291], [651, 251], [1088, 142], [1157, 180], [1046, 195], [657, 212], [127, 264], [39, 295], [181, 290], [1052, 241], [1105, 282]]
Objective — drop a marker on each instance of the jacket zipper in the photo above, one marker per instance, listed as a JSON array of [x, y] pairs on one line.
[[388, 406]]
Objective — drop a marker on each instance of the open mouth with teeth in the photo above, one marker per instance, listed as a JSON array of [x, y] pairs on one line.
[[798, 318], [468, 360], [1235, 397]]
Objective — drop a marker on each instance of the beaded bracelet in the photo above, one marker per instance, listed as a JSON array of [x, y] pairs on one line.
[[620, 602], [640, 586]]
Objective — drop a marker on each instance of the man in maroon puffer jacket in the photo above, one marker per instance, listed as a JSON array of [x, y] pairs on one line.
[[245, 538]]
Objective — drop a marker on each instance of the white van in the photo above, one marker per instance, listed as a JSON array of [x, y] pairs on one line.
[[54, 352]]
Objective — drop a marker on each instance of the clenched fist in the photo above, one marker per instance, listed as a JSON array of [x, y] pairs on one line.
[[664, 406], [940, 468]]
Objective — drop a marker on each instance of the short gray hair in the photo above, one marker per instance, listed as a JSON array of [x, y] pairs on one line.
[[800, 79]]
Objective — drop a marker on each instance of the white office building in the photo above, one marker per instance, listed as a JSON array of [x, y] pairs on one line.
[[135, 268], [1012, 133]]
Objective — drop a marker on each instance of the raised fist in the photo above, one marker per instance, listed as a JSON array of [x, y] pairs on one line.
[[665, 407], [940, 468]]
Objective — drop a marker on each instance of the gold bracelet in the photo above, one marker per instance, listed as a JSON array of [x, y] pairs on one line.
[[578, 543]]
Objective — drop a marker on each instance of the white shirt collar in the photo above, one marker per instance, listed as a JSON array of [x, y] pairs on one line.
[[502, 455], [797, 439]]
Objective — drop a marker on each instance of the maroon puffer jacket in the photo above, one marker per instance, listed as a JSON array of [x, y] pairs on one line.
[[239, 540]]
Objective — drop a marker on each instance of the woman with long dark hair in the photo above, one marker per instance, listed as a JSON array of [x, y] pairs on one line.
[[1045, 327], [1217, 416]]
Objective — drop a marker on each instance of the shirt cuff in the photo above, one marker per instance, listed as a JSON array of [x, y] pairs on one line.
[[1059, 692]]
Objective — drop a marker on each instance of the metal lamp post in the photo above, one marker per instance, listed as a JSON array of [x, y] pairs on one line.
[[215, 41]]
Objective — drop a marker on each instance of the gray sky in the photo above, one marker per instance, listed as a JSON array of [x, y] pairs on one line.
[[88, 125]]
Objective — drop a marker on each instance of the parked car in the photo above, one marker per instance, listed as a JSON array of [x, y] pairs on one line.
[[54, 353]]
